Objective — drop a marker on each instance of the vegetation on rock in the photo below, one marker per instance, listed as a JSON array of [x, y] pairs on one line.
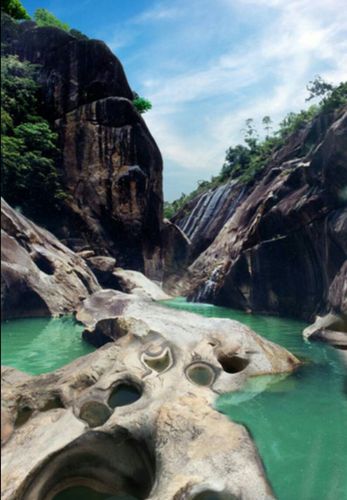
[[141, 104], [29, 175], [244, 161], [45, 18], [14, 8]]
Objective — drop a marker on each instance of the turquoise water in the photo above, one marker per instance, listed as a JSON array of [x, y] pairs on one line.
[[40, 345], [300, 423]]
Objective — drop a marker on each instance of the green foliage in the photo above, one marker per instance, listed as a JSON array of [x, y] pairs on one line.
[[29, 176], [244, 162], [335, 99], [14, 8], [141, 104], [45, 18], [294, 121], [18, 88], [169, 210], [318, 88]]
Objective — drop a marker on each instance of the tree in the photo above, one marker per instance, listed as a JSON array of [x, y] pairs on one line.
[[29, 175], [267, 122], [18, 88], [319, 88], [237, 159], [14, 8], [141, 104], [250, 134], [45, 18]]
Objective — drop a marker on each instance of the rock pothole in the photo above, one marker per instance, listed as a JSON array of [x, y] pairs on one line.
[[124, 393], [232, 363], [200, 373], [95, 413], [98, 463]]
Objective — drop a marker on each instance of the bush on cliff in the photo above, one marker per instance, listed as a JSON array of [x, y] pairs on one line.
[[244, 161], [15, 9], [141, 104], [45, 18], [29, 176]]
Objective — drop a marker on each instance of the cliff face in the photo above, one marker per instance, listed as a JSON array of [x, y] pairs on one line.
[[286, 237], [202, 218], [111, 166], [39, 275]]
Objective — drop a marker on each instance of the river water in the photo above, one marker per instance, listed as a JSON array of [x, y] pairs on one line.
[[299, 424]]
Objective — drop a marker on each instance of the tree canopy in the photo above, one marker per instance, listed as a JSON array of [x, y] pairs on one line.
[[29, 175], [14, 8], [141, 104], [45, 18]]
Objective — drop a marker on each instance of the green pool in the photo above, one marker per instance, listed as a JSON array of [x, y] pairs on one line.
[[299, 424], [40, 345]]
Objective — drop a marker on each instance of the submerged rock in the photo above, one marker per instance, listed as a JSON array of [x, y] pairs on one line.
[[137, 416], [39, 275]]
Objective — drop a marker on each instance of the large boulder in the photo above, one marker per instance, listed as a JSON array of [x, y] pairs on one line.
[[285, 240], [137, 283], [229, 346], [137, 416], [111, 166], [39, 275]]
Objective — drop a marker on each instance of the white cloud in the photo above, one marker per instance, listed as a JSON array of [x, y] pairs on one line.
[[223, 61]]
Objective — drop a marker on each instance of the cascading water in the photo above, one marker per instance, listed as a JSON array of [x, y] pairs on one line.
[[206, 292]]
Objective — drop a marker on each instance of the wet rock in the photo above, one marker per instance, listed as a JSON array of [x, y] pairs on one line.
[[204, 216], [332, 327], [337, 296], [176, 253], [137, 415], [39, 275]]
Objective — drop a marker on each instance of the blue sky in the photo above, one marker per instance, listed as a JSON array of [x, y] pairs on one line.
[[208, 65]]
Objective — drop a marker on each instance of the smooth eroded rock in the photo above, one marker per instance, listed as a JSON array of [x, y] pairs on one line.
[[39, 275], [137, 415]]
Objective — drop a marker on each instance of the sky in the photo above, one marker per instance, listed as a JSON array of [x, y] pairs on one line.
[[208, 65]]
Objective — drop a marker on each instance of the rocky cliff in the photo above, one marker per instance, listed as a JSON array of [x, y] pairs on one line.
[[278, 242], [39, 275], [111, 166]]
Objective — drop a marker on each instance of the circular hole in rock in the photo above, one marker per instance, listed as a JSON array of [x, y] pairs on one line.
[[95, 466], [232, 364], [23, 416], [201, 374], [214, 495], [158, 363], [84, 493], [94, 413], [124, 394], [44, 264]]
